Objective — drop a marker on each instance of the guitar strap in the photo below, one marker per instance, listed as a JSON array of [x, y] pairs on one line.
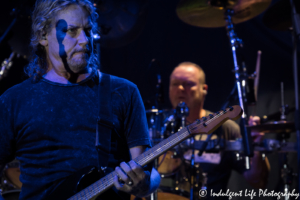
[[105, 123]]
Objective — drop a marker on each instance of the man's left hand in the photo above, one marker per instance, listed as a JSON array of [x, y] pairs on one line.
[[136, 180]]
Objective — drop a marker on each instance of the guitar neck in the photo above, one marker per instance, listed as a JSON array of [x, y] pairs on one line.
[[106, 182], [207, 125]]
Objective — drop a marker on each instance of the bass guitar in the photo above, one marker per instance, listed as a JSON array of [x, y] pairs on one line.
[[205, 125]]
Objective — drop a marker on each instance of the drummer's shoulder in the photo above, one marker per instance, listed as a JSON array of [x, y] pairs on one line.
[[231, 128], [231, 125]]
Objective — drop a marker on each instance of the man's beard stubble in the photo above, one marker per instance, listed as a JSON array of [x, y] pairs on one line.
[[78, 65]]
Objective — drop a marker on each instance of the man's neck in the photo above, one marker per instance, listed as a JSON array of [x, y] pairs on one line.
[[65, 77]]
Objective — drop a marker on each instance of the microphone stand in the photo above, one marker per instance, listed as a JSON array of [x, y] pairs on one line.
[[181, 112], [159, 99], [241, 81]]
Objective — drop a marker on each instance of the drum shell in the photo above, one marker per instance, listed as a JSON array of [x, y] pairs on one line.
[[12, 173], [11, 195], [166, 194]]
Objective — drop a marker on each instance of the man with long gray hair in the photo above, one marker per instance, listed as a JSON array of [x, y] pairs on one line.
[[51, 122]]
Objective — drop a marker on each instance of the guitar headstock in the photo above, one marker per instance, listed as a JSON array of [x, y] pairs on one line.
[[210, 123]]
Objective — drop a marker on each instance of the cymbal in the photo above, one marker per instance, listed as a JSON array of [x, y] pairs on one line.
[[278, 16], [274, 127], [156, 111], [120, 22], [210, 13]]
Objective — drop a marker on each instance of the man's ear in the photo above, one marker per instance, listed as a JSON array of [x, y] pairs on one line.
[[205, 88], [43, 41]]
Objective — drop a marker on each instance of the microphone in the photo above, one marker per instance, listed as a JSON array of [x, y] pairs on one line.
[[181, 112], [159, 90]]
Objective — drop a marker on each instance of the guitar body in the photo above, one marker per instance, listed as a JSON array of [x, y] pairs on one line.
[[75, 183]]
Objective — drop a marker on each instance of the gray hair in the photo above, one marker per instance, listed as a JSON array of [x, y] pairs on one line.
[[42, 20]]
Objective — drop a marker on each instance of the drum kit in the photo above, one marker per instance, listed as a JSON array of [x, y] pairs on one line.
[[179, 173], [175, 165]]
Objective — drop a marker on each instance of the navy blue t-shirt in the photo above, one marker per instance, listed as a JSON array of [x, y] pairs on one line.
[[50, 128]]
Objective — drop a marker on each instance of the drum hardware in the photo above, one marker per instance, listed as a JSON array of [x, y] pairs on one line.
[[192, 178], [241, 84], [6, 64], [279, 17], [12, 174], [282, 127], [197, 175], [181, 112], [287, 176], [284, 15], [276, 116], [204, 145], [10, 184], [282, 110], [169, 164], [210, 13], [11, 195], [286, 172], [267, 145], [155, 117]]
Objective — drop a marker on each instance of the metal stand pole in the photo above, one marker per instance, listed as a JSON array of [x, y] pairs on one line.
[[192, 178], [297, 113], [296, 33], [153, 195], [241, 82]]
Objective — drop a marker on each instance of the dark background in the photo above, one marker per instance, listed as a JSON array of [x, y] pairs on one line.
[[164, 37]]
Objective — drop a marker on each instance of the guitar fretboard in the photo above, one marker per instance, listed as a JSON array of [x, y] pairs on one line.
[[106, 182], [100, 186]]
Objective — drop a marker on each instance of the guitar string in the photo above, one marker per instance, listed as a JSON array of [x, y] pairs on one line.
[[174, 141], [165, 146]]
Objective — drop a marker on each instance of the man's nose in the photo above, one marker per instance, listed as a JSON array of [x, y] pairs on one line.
[[180, 87], [82, 38]]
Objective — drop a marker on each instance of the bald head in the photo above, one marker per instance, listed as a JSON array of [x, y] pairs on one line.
[[199, 70], [187, 84]]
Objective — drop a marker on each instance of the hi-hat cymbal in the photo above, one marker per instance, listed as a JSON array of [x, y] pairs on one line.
[[274, 127], [210, 13]]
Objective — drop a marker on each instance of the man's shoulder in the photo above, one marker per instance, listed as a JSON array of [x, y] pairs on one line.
[[17, 89], [122, 84]]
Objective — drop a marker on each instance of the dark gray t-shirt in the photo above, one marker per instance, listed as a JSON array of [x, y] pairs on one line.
[[50, 128]]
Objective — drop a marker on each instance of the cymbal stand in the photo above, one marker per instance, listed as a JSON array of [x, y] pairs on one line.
[[241, 81], [296, 34], [287, 174], [192, 178], [6, 64]]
